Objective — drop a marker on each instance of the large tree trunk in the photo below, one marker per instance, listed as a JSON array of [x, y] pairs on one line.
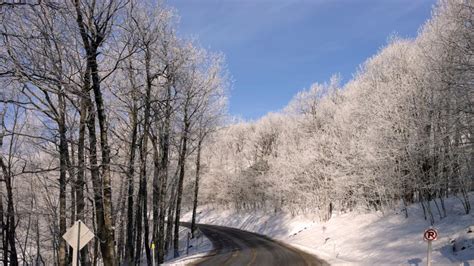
[[138, 225], [70, 162], [108, 247], [63, 154], [156, 173], [2, 228], [130, 173], [143, 161], [182, 167], [10, 215], [95, 175], [81, 169], [169, 221], [146, 231], [159, 198], [11, 225], [121, 216], [196, 187], [179, 196], [144, 153]]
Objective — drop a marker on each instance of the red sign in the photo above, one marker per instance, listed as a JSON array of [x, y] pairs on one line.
[[430, 234]]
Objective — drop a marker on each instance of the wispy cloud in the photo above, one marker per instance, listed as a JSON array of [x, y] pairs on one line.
[[235, 22], [275, 47]]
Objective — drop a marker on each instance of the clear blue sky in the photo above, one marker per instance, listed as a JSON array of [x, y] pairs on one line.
[[275, 48]]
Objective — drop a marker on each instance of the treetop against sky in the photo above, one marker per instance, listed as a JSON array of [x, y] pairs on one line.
[[276, 48]]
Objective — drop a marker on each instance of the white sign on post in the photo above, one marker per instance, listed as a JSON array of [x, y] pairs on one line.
[[77, 236], [430, 235]]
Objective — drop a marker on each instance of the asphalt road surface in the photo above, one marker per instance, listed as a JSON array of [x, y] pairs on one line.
[[238, 247]]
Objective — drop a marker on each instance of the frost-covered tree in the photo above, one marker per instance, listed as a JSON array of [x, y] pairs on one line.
[[99, 100], [399, 132]]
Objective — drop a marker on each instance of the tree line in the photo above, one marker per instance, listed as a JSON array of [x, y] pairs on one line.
[[104, 114], [400, 132]]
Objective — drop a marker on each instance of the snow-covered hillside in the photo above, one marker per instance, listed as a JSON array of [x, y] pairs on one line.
[[358, 238]]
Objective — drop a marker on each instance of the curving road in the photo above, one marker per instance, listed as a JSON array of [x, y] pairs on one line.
[[238, 247]]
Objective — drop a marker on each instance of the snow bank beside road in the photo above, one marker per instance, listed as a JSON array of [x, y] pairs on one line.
[[355, 238], [198, 247]]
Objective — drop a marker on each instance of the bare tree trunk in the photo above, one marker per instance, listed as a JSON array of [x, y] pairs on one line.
[[156, 174], [142, 193], [11, 224], [81, 169], [130, 173], [71, 165], [63, 150], [159, 198], [196, 187], [70, 162], [121, 216], [2, 228], [146, 232], [138, 225], [3, 216], [9, 254], [96, 241], [181, 164], [169, 221], [108, 247], [95, 177], [144, 154], [142, 219]]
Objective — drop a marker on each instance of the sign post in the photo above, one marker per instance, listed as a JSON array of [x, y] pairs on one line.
[[153, 251], [77, 236], [76, 252], [430, 235]]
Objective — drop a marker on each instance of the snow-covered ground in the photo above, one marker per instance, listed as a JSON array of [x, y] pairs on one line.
[[358, 238], [198, 247]]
